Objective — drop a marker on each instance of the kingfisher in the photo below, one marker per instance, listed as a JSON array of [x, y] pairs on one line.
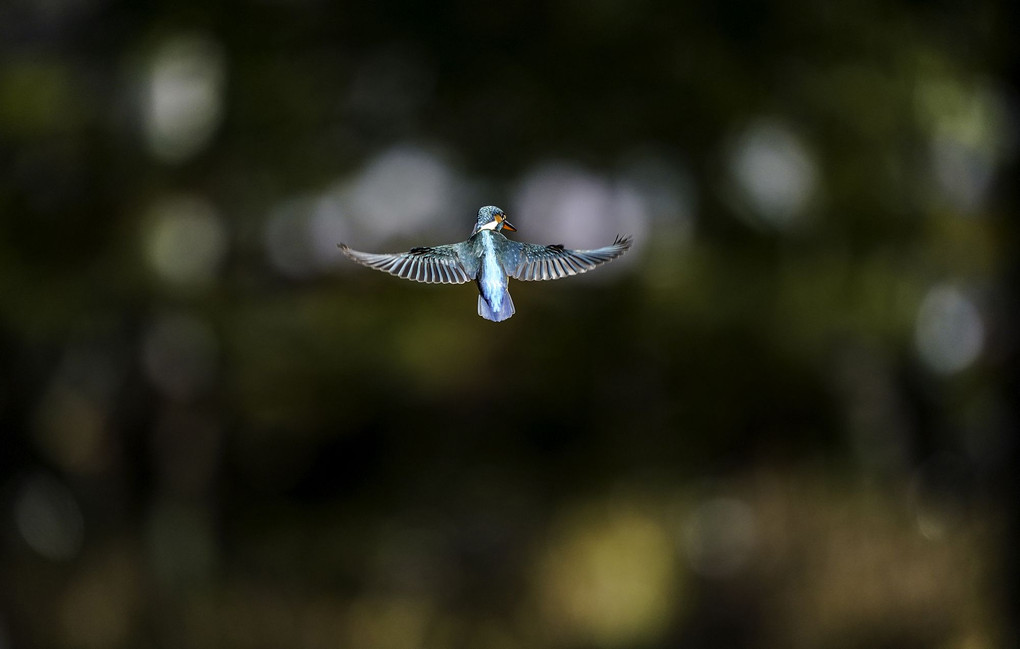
[[490, 260]]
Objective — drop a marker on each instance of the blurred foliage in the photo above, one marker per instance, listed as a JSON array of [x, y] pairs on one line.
[[778, 421]]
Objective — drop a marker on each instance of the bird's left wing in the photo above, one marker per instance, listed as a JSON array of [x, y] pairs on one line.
[[537, 262], [448, 264]]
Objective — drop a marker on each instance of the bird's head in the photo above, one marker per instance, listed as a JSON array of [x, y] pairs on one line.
[[491, 217]]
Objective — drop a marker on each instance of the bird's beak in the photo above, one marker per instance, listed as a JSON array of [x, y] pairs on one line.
[[507, 226]]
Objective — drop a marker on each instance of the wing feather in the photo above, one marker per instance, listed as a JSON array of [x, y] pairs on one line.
[[537, 262], [432, 265]]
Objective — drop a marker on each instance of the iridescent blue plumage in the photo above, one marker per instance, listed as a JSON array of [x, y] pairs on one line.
[[490, 259], [494, 301]]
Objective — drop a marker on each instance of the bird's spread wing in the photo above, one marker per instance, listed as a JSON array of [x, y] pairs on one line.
[[434, 265], [553, 262]]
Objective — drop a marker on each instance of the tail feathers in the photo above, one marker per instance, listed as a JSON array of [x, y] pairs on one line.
[[506, 308]]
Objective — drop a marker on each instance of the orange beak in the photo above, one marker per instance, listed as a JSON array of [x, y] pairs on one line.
[[506, 224]]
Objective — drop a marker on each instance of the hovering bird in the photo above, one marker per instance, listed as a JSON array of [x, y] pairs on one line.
[[490, 259]]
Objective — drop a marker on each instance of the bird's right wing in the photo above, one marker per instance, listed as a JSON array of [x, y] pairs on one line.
[[448, 264], [537, 262]]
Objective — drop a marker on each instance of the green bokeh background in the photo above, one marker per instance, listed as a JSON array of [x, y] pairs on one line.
[[731, 438]]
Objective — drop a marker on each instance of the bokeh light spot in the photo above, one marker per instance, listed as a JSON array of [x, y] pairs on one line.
[[609, 580], [720, 537], [184, 96], [971, 133], [388, 622], [774, 174], [563, 203], [48, 518], [73, 418], [405, 189], [98, 605], [186, 240], [963, 173], [950, 334]]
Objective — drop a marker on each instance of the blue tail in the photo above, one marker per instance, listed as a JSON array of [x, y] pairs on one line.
[[504, 308]]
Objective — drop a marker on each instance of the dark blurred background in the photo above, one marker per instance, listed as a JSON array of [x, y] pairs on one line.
[[784, 419]]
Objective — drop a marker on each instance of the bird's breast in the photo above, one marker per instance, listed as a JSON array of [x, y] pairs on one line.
[[491, 276]]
